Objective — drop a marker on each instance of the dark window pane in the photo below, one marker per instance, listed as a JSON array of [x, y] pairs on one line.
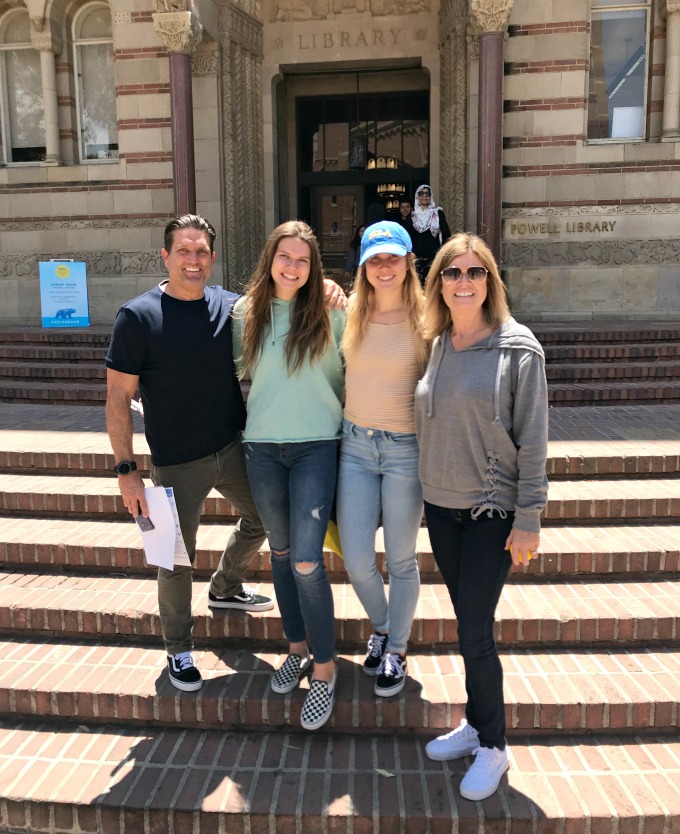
[[416, 144], [617, 75], [310, 137]]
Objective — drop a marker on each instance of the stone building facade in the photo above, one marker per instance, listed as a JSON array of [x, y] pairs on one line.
[[321, 108]]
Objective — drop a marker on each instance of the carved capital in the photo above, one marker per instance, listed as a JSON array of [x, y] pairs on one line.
[[179, 31], [205, 63], [491, 15], [671, 7], [45, 36]]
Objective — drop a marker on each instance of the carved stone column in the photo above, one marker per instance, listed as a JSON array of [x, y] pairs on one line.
[[180, 33], [492, 17], [44, 41], [242, 138], [671, 96], [453, 112]]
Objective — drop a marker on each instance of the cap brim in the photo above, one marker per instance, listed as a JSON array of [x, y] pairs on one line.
[[383, 249]]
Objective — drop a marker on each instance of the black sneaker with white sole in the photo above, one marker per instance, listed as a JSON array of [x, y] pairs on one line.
[[376, 648], [183, 672], [392, 676], [246, 600]]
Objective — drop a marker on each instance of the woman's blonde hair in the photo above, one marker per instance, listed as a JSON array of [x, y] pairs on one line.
[[359, 310], [310, 329], [437, 317]]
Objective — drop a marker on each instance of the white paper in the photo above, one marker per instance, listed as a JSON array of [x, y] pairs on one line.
[[164, 545]]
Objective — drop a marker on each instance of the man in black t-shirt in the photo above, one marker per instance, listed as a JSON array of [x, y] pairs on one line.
[[174, 342]]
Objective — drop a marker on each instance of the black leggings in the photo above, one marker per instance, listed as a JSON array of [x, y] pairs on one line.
[[474, 564]]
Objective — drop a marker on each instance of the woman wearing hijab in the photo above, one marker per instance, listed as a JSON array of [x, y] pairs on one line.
[[429, 230]]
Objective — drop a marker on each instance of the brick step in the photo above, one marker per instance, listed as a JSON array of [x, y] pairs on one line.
[[208, 781], [578, 613], [49, 353], [613, 371], [59, 370], [100, 546], [605, 333], [545, 692], [555, 354], [73, 393], [52, 451], [93, 336], [590, 501], [613, 393]]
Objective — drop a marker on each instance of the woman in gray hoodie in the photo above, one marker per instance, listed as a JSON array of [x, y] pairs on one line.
[[481, 414]]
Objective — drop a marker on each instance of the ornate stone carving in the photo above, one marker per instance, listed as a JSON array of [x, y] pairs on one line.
[[453, 114], [205, 63], [385, 7], [142, 263], [535, 255], [174, 5], [63, 225], [21, 265], [671, 7], [122, 17], [287, 11], [580, 211], [491, 15], [242, 149], [178, 31]]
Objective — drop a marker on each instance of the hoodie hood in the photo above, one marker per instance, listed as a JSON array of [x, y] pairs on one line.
[[509, 336]]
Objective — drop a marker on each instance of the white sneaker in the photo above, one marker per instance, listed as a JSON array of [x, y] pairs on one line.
[[485, 773], [463, 741]]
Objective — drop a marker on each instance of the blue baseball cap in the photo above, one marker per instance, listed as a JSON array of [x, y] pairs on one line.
[[385, 237]]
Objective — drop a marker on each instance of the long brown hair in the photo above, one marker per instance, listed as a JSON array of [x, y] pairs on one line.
[[495, 308], [359, 310], [310, 329]]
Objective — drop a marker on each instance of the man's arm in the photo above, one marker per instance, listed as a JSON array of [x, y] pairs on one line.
[[334, 295], [120, 390]]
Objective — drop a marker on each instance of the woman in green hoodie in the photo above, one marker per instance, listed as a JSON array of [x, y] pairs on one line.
[[289, 344], [481, 414]]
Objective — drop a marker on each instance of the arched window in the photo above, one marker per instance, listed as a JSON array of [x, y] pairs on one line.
[[96, 92], [22, 112]]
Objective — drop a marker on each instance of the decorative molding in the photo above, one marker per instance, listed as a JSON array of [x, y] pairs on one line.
[[120, 18], [491, 15], [23, 264], [453, 113], [179, 31], [574, 254], [70, 225], [295, 11], [242, 28], [205, 63], [472, 37], [672, 7], [174, 6], [602, 210]]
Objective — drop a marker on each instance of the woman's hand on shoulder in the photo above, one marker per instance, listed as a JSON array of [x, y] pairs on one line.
[[522, 545]]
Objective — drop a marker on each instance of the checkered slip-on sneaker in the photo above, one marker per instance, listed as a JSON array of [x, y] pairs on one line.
[[288, 675], [318, 704]]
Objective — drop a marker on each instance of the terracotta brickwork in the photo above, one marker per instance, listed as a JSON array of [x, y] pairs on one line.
[[554, 177]]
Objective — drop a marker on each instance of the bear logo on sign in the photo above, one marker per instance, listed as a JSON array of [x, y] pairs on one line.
[[65, 313]]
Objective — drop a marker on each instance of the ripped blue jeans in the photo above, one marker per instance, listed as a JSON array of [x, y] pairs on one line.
[[293, 486]]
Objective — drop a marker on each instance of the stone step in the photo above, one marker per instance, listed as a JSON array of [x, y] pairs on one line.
[[614, 393], [73, 393], [50, 353], [81, 371], [578, 613], [613, 372], [631, 352], [591, 501], [600, 332], [545, 692], [206, 781], [567, 552]]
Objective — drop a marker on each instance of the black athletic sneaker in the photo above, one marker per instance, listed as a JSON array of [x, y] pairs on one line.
[[183, 672], [392, 675], [245, 601], [377, 646]]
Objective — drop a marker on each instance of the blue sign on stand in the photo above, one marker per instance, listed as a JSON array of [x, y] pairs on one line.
[[63, 294]]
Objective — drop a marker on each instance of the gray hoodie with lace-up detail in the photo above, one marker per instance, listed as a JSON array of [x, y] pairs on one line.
[[482, 423]]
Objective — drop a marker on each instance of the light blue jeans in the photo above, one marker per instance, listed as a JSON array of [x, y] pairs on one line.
[[379, 472]]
